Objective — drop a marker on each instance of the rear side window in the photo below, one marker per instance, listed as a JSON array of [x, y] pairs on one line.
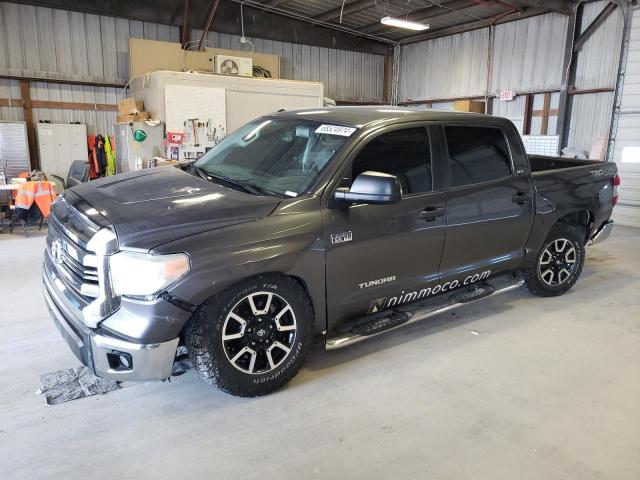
[[403, 153], [477, 155]]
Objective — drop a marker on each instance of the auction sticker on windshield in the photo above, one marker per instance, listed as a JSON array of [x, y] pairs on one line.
[[336, 130]]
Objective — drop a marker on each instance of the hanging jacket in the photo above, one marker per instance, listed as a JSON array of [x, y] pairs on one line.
[[94, 167], [111, 158], [99, 152]]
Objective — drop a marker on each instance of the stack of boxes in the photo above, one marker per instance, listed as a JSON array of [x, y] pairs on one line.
[[131, 110]]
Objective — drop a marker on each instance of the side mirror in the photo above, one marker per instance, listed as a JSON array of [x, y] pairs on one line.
[[372, 188]]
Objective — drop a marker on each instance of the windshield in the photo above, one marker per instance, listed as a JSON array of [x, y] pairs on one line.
[[280, 156]]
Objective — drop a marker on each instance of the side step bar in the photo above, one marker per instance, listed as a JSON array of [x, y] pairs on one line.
[[412, 313]]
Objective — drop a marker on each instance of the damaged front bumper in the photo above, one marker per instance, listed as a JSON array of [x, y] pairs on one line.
[[106, 355]]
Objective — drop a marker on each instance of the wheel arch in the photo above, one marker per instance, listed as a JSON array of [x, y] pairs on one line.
[[583, 219], [318, 326]]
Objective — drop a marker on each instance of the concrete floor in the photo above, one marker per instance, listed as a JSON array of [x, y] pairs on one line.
[[516, 387]]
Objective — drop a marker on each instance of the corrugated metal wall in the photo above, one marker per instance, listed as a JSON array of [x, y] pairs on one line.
[[346, 75], [44, 42], [447, 67], [527, 55], [596, 67]]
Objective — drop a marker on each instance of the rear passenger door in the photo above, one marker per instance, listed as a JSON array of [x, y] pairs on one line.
[[489, 204]]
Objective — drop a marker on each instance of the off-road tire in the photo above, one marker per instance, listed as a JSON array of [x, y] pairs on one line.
[[532, 275], [203, 337]]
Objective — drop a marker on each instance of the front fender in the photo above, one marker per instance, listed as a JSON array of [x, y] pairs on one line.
[[285, 242]]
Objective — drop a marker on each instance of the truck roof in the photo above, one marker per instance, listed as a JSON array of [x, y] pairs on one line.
[[359, 116]]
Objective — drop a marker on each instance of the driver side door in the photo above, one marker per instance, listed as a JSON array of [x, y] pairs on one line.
[[380, 255]]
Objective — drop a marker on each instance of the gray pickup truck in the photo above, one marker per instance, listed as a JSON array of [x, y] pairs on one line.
[[339, 223]]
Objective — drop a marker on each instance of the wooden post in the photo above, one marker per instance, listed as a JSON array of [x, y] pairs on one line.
[[388, 78], [27, 113], [528, 111], [546, 106]]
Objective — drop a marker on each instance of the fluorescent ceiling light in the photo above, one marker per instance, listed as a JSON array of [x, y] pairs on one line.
[[400, 23]]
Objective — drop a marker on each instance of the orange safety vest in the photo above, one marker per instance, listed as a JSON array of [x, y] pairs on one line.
[[43, 193]]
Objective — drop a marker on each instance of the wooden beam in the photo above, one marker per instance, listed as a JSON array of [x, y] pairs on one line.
[[544, 127], [387, 84], [10, 102], [27, 116], [568, 78], [552, 112], [593, 26], [63, 81], [528, 108], [100, 107]]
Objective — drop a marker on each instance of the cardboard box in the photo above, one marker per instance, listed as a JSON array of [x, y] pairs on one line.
[[141, 117], [126, 106], [474, 106]]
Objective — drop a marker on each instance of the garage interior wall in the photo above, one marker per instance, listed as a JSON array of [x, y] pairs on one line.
[[626, 135], [59, 44], [527, 56]]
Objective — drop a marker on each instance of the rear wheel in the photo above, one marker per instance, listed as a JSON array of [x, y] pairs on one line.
[[252, 338], [558, 264]]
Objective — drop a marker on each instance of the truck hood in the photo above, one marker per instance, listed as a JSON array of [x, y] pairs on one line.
[[154, 206]]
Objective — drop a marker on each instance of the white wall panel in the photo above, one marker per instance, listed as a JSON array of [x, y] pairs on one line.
[[528, 54], [597, 61], [626, 151], [447, 67], [346, 75], [590, 118]]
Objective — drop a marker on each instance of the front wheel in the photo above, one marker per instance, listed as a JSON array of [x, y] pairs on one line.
[[252, 338], [558, 264]]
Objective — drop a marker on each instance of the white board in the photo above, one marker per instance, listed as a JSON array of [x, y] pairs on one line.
[[207, 105], [183, 102]]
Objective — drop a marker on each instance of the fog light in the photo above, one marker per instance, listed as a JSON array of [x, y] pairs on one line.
[[120, 361]]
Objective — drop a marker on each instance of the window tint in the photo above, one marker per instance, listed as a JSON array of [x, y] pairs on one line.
[[477, 155], [403, 153]]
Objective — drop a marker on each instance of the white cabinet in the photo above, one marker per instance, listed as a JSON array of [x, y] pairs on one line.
[[14, 149], [59, 145]]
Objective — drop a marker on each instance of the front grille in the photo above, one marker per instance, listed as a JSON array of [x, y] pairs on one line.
[[78, 273], [76, 265]]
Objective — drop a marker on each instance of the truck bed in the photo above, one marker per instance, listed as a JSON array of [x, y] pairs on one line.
[[541, 163]]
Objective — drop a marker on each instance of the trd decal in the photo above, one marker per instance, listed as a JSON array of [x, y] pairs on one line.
[[379, 281], [377, 305], [341, 237], [408, 297], [597, 173]]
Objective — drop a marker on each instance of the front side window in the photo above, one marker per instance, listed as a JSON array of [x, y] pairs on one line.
[[281, 156], [403, 153], [477, 155]]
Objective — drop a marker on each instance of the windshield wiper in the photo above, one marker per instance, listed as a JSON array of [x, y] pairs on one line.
[[247, 187]]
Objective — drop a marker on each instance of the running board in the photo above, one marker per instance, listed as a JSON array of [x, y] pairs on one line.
[[415, 312]]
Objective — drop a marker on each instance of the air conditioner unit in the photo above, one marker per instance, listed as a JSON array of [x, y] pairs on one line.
[[228, 65]]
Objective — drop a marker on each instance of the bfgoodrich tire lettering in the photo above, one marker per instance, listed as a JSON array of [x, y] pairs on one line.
[[230, 334], [559, 263]]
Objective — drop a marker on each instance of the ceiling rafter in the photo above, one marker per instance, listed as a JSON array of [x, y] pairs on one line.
[[349, 8]]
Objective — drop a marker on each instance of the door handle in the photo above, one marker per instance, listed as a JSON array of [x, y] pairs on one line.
[[429, 214], [521, 198]]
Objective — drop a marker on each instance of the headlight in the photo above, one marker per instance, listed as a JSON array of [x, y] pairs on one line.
[[142, 274]]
